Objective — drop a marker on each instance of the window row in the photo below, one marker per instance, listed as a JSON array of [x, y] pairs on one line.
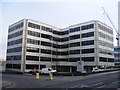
[[14, 66], [32, 41], [74, 29], [103, 59], [16, 27], [90, 42], [105, 29], [32, 33], [106, 44], [15, 42], [102, 35], [85, 35], [104, 51], [15, 34], [12, 50], [75, 37], [16, 57], [36, 58], [85, 27]]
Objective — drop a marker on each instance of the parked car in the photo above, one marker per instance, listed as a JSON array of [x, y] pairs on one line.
[[47, 70], [97, 70]]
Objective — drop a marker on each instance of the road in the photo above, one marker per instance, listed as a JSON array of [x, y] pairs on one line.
[[95, 81]]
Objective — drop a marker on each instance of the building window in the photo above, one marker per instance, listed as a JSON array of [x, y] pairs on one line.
[[102, 35], [75, 37], [46, 43], [15, 27], [19, 41], [33, 25], [30, 49], [110, 60], [102, 59], [88, 59], [45, 51], [90, 42], [12, 50], [32, 33], [8, 65], [16, 57], [56, 39], [87, 27], [15, 34], [31, 66], [16, 66], [74, 51], [64, 32], [74, 59], [64, 39], [105, 29], [45, 59], [86, 51], [74, 29], [46, 36], [75, 44], [46, 29], [56, 32], [63, 46], [32, 58], [32, 41], [85, 35]]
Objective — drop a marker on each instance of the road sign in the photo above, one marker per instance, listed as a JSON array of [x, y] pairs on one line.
[[80, 66]]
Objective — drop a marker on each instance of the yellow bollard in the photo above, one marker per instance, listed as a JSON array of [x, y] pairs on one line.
[[50, 76], [37, 75]]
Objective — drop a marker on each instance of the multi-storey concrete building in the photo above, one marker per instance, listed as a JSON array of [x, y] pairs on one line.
[[33, 44], [117, 55]]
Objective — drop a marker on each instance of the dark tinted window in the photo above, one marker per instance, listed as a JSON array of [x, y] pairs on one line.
[[45, 51], [85, 51], [88, 59], [75, 29], [74, 51], [90, 34], [46, 36], [16, 27], [32, 58], [46, 43], [91, 42], [85, 27], [75, 37], [32, 25], [75, 44]]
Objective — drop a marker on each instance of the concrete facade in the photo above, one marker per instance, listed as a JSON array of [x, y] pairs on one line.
[[32, 44]]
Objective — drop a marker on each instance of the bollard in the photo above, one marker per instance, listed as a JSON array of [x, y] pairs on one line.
[[50, 76], [37, 75]]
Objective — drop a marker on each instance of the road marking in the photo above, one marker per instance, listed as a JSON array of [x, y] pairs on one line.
[[115, 82], [84, 86], [95, 84], [101, 86], [79, 86]]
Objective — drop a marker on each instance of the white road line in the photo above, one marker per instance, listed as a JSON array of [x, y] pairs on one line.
[[79, 86], [115, 82], [101, 86], [95, 84]]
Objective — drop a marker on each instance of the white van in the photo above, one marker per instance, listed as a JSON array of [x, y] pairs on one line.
[[47, 70]]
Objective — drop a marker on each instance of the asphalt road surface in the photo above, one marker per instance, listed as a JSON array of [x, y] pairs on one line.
[[95, 81]]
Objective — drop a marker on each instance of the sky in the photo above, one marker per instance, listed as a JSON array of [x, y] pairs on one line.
[[58, 13]]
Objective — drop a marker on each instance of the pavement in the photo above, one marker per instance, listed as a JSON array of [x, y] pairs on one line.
[[109, 79], [5, 84]]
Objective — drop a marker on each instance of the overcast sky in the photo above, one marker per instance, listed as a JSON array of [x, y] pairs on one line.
[[58, 13]]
